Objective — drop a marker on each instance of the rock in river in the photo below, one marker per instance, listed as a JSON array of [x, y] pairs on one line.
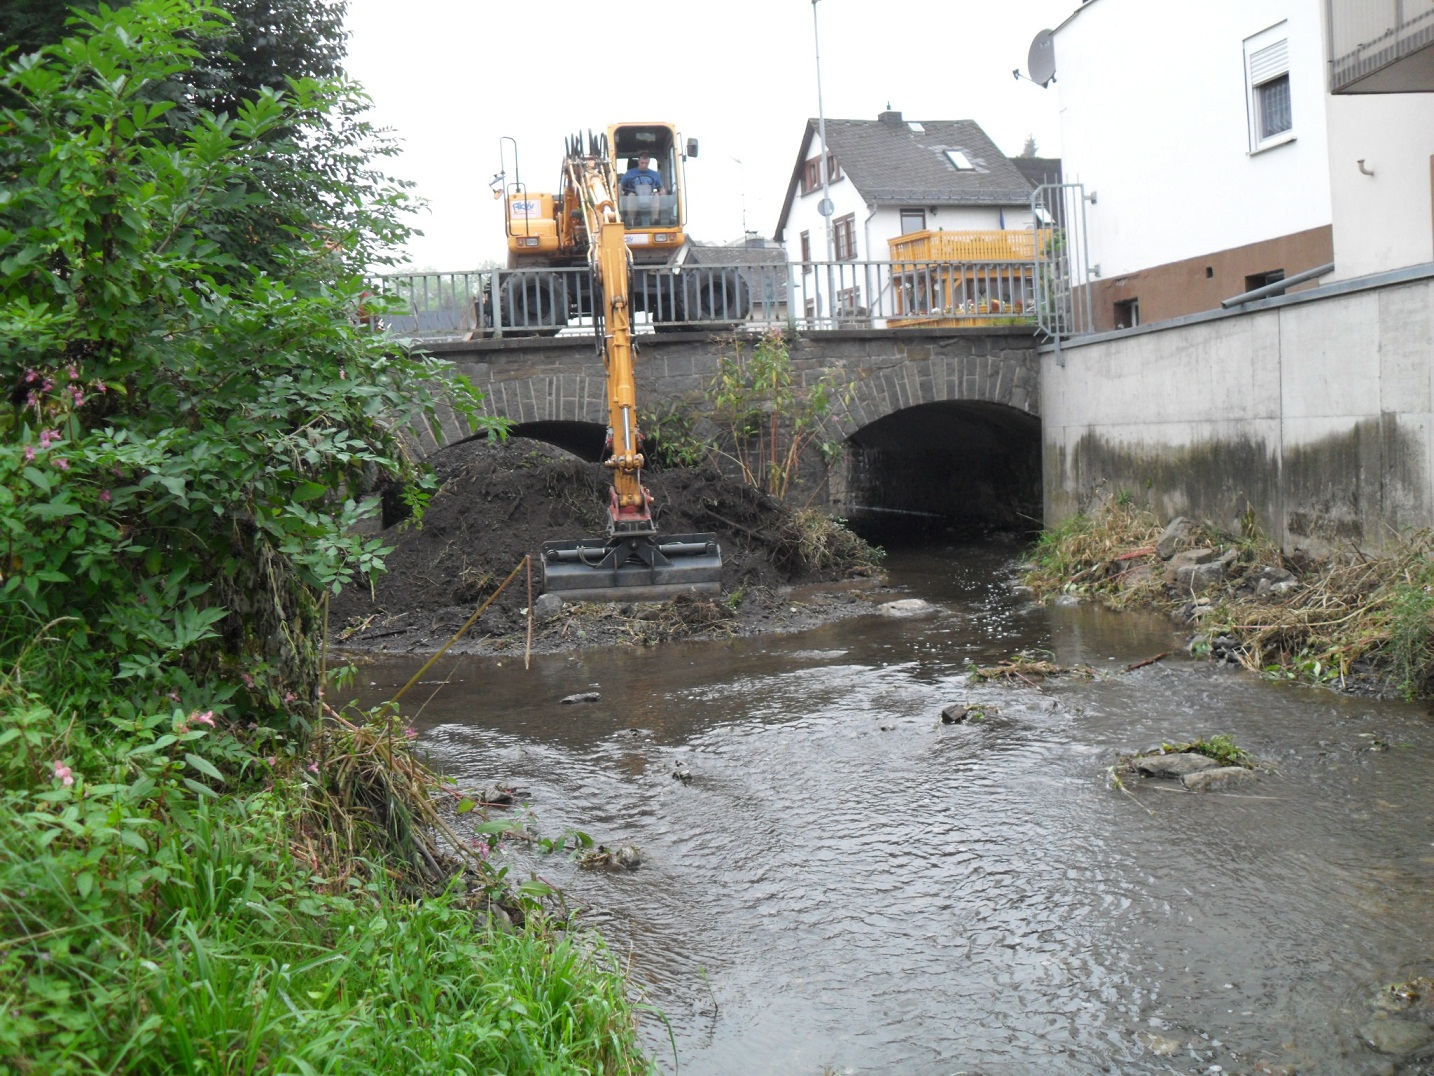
[[906, 607], [1173, 763], [955, 714], [1221, 777], [1397, 1035]]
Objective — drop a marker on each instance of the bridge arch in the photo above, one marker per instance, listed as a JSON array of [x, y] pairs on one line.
[[944, 422]]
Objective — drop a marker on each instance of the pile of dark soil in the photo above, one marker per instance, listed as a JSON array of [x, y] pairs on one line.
[[500, 502]]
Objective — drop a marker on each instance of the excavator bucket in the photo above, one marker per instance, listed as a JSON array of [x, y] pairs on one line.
[[632, 568]]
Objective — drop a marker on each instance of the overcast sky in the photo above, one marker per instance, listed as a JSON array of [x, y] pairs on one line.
[[452, 77]]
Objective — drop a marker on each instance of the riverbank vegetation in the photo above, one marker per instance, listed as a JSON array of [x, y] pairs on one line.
[[1350, 619], [204, 865]]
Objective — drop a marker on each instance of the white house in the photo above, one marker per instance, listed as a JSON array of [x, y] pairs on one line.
[[890, 177], [1215, 158]]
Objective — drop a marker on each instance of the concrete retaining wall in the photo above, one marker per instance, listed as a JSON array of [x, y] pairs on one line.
[[1311, 413]]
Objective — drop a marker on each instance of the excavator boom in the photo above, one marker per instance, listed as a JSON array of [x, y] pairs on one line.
[[629, 563]]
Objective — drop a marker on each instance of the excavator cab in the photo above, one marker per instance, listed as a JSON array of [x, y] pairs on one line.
[[653, 219]]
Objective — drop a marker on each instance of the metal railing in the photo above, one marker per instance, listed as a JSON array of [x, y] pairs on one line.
[[743, 296], [1368, 36], [1062, 268]]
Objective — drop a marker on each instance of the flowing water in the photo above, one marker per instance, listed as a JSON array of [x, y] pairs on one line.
[[846, 884]]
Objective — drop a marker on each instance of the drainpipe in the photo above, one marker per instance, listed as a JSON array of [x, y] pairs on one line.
[[871, 293]]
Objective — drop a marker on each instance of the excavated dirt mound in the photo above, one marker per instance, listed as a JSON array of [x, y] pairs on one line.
[[500, 502]]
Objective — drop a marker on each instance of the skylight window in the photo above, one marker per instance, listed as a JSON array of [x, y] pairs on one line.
[[960, 161], [916, 128]]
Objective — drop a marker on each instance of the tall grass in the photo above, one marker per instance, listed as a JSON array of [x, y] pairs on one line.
[[147, 926], [1099, 555], [1352, 614]]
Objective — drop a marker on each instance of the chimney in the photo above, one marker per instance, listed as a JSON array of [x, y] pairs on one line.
[[890, 118]]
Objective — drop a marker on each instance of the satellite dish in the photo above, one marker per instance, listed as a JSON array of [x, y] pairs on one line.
[[1041, 60]]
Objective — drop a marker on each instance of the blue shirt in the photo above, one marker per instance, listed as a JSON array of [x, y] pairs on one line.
[[641, 180]]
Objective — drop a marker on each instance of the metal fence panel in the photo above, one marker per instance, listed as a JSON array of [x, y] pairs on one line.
[[746, 297], [1062, 261]]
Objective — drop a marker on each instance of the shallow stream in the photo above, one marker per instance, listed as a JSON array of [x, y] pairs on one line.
[[846, 884]]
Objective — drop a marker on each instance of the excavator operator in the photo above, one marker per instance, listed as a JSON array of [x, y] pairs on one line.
[[646, 184]]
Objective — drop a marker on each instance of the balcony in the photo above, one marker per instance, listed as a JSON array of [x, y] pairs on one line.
[[1381, 46], [962, 279], [994, 246]]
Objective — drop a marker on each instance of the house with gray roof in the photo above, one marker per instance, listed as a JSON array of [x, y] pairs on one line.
[[891, 176]]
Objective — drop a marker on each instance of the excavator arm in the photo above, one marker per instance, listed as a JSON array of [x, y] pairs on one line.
[[612, 273], [630, 563]]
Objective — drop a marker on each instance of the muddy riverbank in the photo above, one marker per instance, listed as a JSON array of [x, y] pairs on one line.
[[1349, 619], [783, 569]]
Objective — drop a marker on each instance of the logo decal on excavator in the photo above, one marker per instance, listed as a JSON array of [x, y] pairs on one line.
[[526, 209]]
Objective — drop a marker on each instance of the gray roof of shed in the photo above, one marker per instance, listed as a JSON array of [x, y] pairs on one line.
[[891, 162]]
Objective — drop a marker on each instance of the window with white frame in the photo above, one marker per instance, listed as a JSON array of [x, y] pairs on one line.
[[1267, 88]]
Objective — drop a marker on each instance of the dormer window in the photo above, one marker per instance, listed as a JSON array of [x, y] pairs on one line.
[[959, 161]]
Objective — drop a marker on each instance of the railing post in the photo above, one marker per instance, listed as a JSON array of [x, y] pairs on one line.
[[497, 300]]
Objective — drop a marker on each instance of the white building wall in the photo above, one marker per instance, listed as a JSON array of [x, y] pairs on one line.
[[1154, 121], [1384, 221], [805, 218]]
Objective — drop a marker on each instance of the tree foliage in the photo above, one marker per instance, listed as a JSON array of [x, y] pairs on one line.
[[192, 433], [769, 413]]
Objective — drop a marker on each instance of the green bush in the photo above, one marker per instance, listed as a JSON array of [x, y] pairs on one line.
[[192, 440], [189, 442]]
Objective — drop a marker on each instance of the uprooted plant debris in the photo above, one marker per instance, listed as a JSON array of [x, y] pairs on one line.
[[1025, 667], [1349, 618], [499, 502]]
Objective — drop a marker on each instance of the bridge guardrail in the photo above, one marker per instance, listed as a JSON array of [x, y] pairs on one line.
[[737, 295]]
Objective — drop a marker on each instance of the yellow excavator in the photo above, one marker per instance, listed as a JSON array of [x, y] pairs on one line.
[[592, 220]]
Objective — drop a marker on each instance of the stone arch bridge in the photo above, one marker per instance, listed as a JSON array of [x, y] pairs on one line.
[[937, 423]]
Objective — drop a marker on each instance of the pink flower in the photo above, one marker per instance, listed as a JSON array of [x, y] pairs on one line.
[[272, 760], [105, 496], [101, 387], [64, 774], [29, 453], [343, 374], [46, 436], [74, 374], [289, 696], [314, 766], [248, 680], [31, 377], [60, 463], [77, 395], [411, 732], [206, 718]]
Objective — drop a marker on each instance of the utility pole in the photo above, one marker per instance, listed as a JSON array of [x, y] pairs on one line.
[[825, 209]]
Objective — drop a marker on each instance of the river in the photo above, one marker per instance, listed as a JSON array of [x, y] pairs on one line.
[[848, 885]]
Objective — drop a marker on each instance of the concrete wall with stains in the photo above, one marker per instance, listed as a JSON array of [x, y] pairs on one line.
[[1313, 414]]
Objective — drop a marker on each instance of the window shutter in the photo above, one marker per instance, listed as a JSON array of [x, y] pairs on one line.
[[1269, 62]]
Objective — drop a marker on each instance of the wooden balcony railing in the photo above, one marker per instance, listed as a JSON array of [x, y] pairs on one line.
[[984, 246]]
